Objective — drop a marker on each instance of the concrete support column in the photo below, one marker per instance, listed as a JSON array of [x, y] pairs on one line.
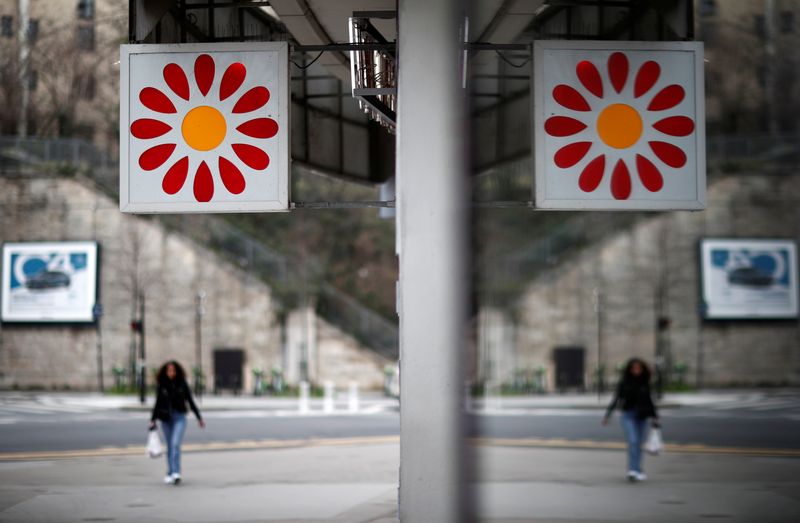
[[432, 230]]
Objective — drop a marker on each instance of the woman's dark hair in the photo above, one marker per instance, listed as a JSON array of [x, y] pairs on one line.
[[162, 378], [627, 375]]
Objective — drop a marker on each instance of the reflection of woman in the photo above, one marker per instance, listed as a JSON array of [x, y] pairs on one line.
[[172, 394], [633, 398]]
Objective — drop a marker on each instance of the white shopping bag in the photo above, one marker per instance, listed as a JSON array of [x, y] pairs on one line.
[[654, 445], [154, 448]]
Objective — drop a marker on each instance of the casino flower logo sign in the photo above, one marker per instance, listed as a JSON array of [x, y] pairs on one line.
[[618, 129], [205, 130]]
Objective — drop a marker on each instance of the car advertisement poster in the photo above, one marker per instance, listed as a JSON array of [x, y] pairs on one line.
[[749, 279], [49, 282]]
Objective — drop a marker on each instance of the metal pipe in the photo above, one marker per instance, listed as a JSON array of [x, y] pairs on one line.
[[341, 205], [377, 46]]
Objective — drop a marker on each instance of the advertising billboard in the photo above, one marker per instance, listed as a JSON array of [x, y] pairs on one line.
[[49, 282], [749, 279], [204, 127], [619, 125]]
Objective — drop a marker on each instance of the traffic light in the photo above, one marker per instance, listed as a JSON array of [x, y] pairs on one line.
[[136, 326]]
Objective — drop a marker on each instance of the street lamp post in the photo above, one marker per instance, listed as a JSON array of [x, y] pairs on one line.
[[142, 367], [198, 338], [598, 309], [97, 312]]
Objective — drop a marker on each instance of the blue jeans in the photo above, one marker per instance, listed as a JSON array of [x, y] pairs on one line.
[[634, 428], [173, 435]]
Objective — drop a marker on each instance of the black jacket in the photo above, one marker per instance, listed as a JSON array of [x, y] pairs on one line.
[[633, 394], [172, 396]]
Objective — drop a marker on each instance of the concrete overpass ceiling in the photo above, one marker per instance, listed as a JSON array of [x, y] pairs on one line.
[[320, 22], [331, 133], [501, 21]]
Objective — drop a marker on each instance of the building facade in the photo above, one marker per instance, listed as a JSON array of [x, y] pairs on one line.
[[59, 63]]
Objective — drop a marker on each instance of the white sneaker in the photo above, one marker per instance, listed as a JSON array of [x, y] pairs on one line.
[[176, 478], [641, 476], [631, 475], [168, 479]]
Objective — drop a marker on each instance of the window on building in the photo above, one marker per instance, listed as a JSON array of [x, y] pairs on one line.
[[787, 22], [708, 32], [761, 75], [7, 26], [86, 9], [708, 7], [33, 30], [85, 39], [85, 86], [89, 88], [760, 26], [83, 130]]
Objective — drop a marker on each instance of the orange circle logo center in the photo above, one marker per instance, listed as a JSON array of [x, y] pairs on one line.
[[619, 126], [204, 128]]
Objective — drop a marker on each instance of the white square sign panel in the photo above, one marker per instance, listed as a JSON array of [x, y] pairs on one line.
[[49, 282], [619, 125], [204, 128], [749, 278]]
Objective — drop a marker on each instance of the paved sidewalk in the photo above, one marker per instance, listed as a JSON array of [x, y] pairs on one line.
[[326, 483], [357, 483], [587, 486]]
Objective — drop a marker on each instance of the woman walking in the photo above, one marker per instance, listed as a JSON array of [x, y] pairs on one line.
[[633, 398], [172, 394]]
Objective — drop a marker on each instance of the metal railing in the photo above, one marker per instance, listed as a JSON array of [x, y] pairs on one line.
[[780, 149], [35, 152]]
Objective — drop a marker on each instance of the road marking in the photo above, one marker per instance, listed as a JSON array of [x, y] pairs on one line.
[[138, 450], [264, 444]]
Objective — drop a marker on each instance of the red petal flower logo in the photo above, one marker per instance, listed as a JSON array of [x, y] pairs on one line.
[[620, 122], [205, 125]]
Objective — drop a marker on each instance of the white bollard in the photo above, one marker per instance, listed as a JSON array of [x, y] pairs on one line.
[[328, 402], [352, 397], [304, 406], [468, 396], [491, 396]]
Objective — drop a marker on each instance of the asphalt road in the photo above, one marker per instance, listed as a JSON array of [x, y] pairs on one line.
[[776, 428], [123, 429]]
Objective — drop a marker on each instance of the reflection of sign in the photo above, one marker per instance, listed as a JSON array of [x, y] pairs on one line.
[[204, 128], [49, 281], [619, 125], [749, 278]]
